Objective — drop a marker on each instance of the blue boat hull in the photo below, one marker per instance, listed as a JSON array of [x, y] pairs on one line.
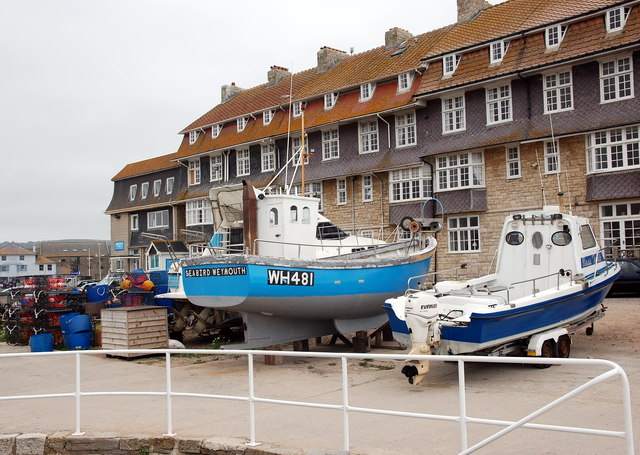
[[309, 292]]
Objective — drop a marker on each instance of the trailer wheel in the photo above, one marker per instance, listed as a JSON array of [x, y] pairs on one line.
[[564, 346], [546, 351]]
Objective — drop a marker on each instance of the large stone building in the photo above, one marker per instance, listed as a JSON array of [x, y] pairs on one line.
[[518, 105]]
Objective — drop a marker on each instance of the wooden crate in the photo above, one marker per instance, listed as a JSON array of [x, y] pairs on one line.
[[139, 327]]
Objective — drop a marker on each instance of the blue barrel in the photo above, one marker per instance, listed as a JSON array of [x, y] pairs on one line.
[[42, 342], [79, 323], [64, 321], [98, 293], [80, 340]]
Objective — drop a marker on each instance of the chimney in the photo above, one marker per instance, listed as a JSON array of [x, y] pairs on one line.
[[276, 74], [469, 9], [395, 36], [328, 58], [229, 91]]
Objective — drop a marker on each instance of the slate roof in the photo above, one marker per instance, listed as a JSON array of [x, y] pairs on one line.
[[177, 246], [149, 166], [73, 248]]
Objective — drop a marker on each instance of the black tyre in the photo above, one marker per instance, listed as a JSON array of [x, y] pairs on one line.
[[564, 346], [546, 351]]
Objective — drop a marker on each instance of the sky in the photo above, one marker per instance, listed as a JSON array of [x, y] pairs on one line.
[[87, 86]]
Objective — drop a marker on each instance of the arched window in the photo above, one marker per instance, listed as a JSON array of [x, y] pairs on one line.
[[273, 217], [293, 214], [306, 215]]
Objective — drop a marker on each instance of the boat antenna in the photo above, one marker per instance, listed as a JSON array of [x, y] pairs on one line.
[[556, 148], [286, 172], [302, 154], [537, 166]]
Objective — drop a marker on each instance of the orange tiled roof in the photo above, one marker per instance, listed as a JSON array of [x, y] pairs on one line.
[[44, 260], [13, 249], [158, 163]]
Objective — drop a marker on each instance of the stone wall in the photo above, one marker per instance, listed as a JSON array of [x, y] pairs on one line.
[[65, 443]]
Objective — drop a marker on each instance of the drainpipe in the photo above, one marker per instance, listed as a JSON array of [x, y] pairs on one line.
[[353, 203]]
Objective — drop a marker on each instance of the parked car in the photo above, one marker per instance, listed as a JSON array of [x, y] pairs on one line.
[[84, 283], [629, 279]]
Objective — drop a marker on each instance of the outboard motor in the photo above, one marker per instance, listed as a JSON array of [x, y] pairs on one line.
[[421, 314]]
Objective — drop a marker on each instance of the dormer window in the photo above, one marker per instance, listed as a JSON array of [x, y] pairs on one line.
[[133, 189], [366, 91], [554, 35], [215, 130], [241, 123], [497, 51], [144, 190], [449, 64], [267, 116], [297, 108], [193, 135], [404, 81], [330, 100], [616, 18]]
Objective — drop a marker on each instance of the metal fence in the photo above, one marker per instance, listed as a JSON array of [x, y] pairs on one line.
[[462, 419]]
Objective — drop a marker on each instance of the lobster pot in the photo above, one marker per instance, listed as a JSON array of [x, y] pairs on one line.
[[140, 327]]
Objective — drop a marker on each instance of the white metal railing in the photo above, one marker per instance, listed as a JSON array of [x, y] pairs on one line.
[[463, 419]]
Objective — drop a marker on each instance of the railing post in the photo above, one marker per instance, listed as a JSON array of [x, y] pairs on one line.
[[462, 403], [77, 399], [169, 392], [252, 406], [345, 405]]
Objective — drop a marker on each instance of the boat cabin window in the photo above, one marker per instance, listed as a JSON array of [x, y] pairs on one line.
[[328, 231], [514, 238], [536, 240], [561, 238], [273, 217], [306, 215], [293, 214], [587, 237]]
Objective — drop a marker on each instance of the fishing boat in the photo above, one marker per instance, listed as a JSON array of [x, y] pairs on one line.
[[297, 275], [550, 277]]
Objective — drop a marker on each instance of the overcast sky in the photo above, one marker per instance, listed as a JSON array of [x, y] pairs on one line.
[[87, 86]]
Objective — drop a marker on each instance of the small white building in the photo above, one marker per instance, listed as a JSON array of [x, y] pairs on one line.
[[159, 256], [17, 262]]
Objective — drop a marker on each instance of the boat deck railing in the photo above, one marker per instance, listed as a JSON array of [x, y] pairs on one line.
[[83, 389], [428, 279]]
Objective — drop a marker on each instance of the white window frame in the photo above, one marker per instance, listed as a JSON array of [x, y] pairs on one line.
[[243, 162], [460, 171], [552, 157], [311, 189], [144, 190], [194, 172], [405, 80], [198, 213], [216, 168], [368, 139], [135, 222], [406, 134], [366, 91], [557, 91], [553, 36], [296, 143], [296, 109], [133, 189], [193, 136], [410, 184], [616, 18], [169, 184], [330, 100], [158, 219], [450, 64], [454, 114], [341, 191], [497, 51], [619, 73], [157, 187], [367, 188], [215, 130], [268, 157], [512, 160], [620, 224], [499, 104], [330, 145], [241, 123], [613, 150], [462, 232], [267, 116]]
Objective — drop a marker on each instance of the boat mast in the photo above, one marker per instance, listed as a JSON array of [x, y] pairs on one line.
[[303, 155]]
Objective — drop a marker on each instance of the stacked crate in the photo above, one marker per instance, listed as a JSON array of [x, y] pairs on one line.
[[140, 327]]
